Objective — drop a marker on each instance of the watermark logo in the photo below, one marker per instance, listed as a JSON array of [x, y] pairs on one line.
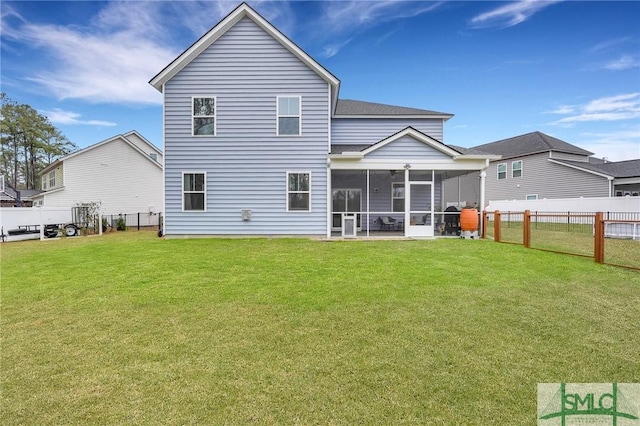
[[566, 404]]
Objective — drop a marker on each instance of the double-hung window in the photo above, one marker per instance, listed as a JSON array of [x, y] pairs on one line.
[[299, 191], [193, 191], [516, 169], [289, 115], [502, 171], [397, 197], [52, 179], [204, 116]]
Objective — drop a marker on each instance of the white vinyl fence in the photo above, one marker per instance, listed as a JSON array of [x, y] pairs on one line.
[[596, 204], [20, 217]]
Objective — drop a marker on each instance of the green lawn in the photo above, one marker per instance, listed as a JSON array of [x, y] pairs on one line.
[[128, 328]]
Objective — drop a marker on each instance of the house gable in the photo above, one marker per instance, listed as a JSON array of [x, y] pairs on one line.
[[123, 138], [410, 143], [116, 173], [241, 12]]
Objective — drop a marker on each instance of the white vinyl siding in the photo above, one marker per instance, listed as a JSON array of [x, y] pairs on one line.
[[289, 117], [516, 169], [502, 171], [298, 191], [204, 115], [121, 178], [194, 191], [367, 131]]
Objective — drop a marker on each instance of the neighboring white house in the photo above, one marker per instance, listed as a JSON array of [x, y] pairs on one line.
[[122, 173]]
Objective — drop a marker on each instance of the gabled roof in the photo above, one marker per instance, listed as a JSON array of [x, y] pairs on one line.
[[614, 169], [530, 143], [349, 107], [106, 141], [242, 11], [25, 194]]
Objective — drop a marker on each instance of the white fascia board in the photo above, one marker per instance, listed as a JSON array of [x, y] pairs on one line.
[[42, 194], [399, 164], [413, 116], [220, 29], [152, 146], [489, 157], [572, 166], [626, 181], [346, 156]]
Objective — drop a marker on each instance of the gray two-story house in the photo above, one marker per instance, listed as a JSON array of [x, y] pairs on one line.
[[537, 166], [257, 142]]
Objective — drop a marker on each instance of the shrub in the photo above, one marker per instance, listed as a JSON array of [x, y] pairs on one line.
[[121, 224]]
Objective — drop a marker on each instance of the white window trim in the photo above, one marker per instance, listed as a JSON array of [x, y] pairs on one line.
[[287, 190], [506, 171], [521, 169], [393, 184], [526, 197], [182, 192], [278, 115], [52, 178], [215, 116]]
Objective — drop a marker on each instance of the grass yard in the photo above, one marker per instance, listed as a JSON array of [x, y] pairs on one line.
[[128, 328]]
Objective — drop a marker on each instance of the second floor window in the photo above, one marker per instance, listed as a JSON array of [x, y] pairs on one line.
[[204, 116], [502, 171], [516, 169], [52, 179], [289, 115]]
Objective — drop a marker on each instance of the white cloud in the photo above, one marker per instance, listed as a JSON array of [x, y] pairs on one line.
[[342, 20], [611, 108], [607, 45], [617, 145], [624, 62], [510, 14], [59, 116], [110, 60], [563, 109]]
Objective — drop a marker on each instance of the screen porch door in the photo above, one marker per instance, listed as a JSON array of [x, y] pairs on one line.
[[419, 213], [346, 201]]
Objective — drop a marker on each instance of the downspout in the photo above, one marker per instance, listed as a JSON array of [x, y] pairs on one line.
[[610, 187], [483, 176], [329, 199], [329, 183]]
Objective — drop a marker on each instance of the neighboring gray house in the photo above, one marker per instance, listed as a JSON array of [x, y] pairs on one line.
[[258, 143], [536, 166]]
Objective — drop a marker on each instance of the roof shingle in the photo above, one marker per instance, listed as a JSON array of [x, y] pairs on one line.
[[352, 107], [530, 143]]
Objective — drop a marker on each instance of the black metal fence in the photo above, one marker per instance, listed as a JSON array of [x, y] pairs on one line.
[[138, 221]]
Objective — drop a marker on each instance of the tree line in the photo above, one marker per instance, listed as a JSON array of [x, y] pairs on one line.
[[28, 144]]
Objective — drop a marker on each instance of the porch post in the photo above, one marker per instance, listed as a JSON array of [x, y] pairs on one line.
[[329, 200], [368, 198], [483, 176], [407, 198]]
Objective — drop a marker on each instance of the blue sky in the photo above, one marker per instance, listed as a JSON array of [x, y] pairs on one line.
[[566, 68]]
